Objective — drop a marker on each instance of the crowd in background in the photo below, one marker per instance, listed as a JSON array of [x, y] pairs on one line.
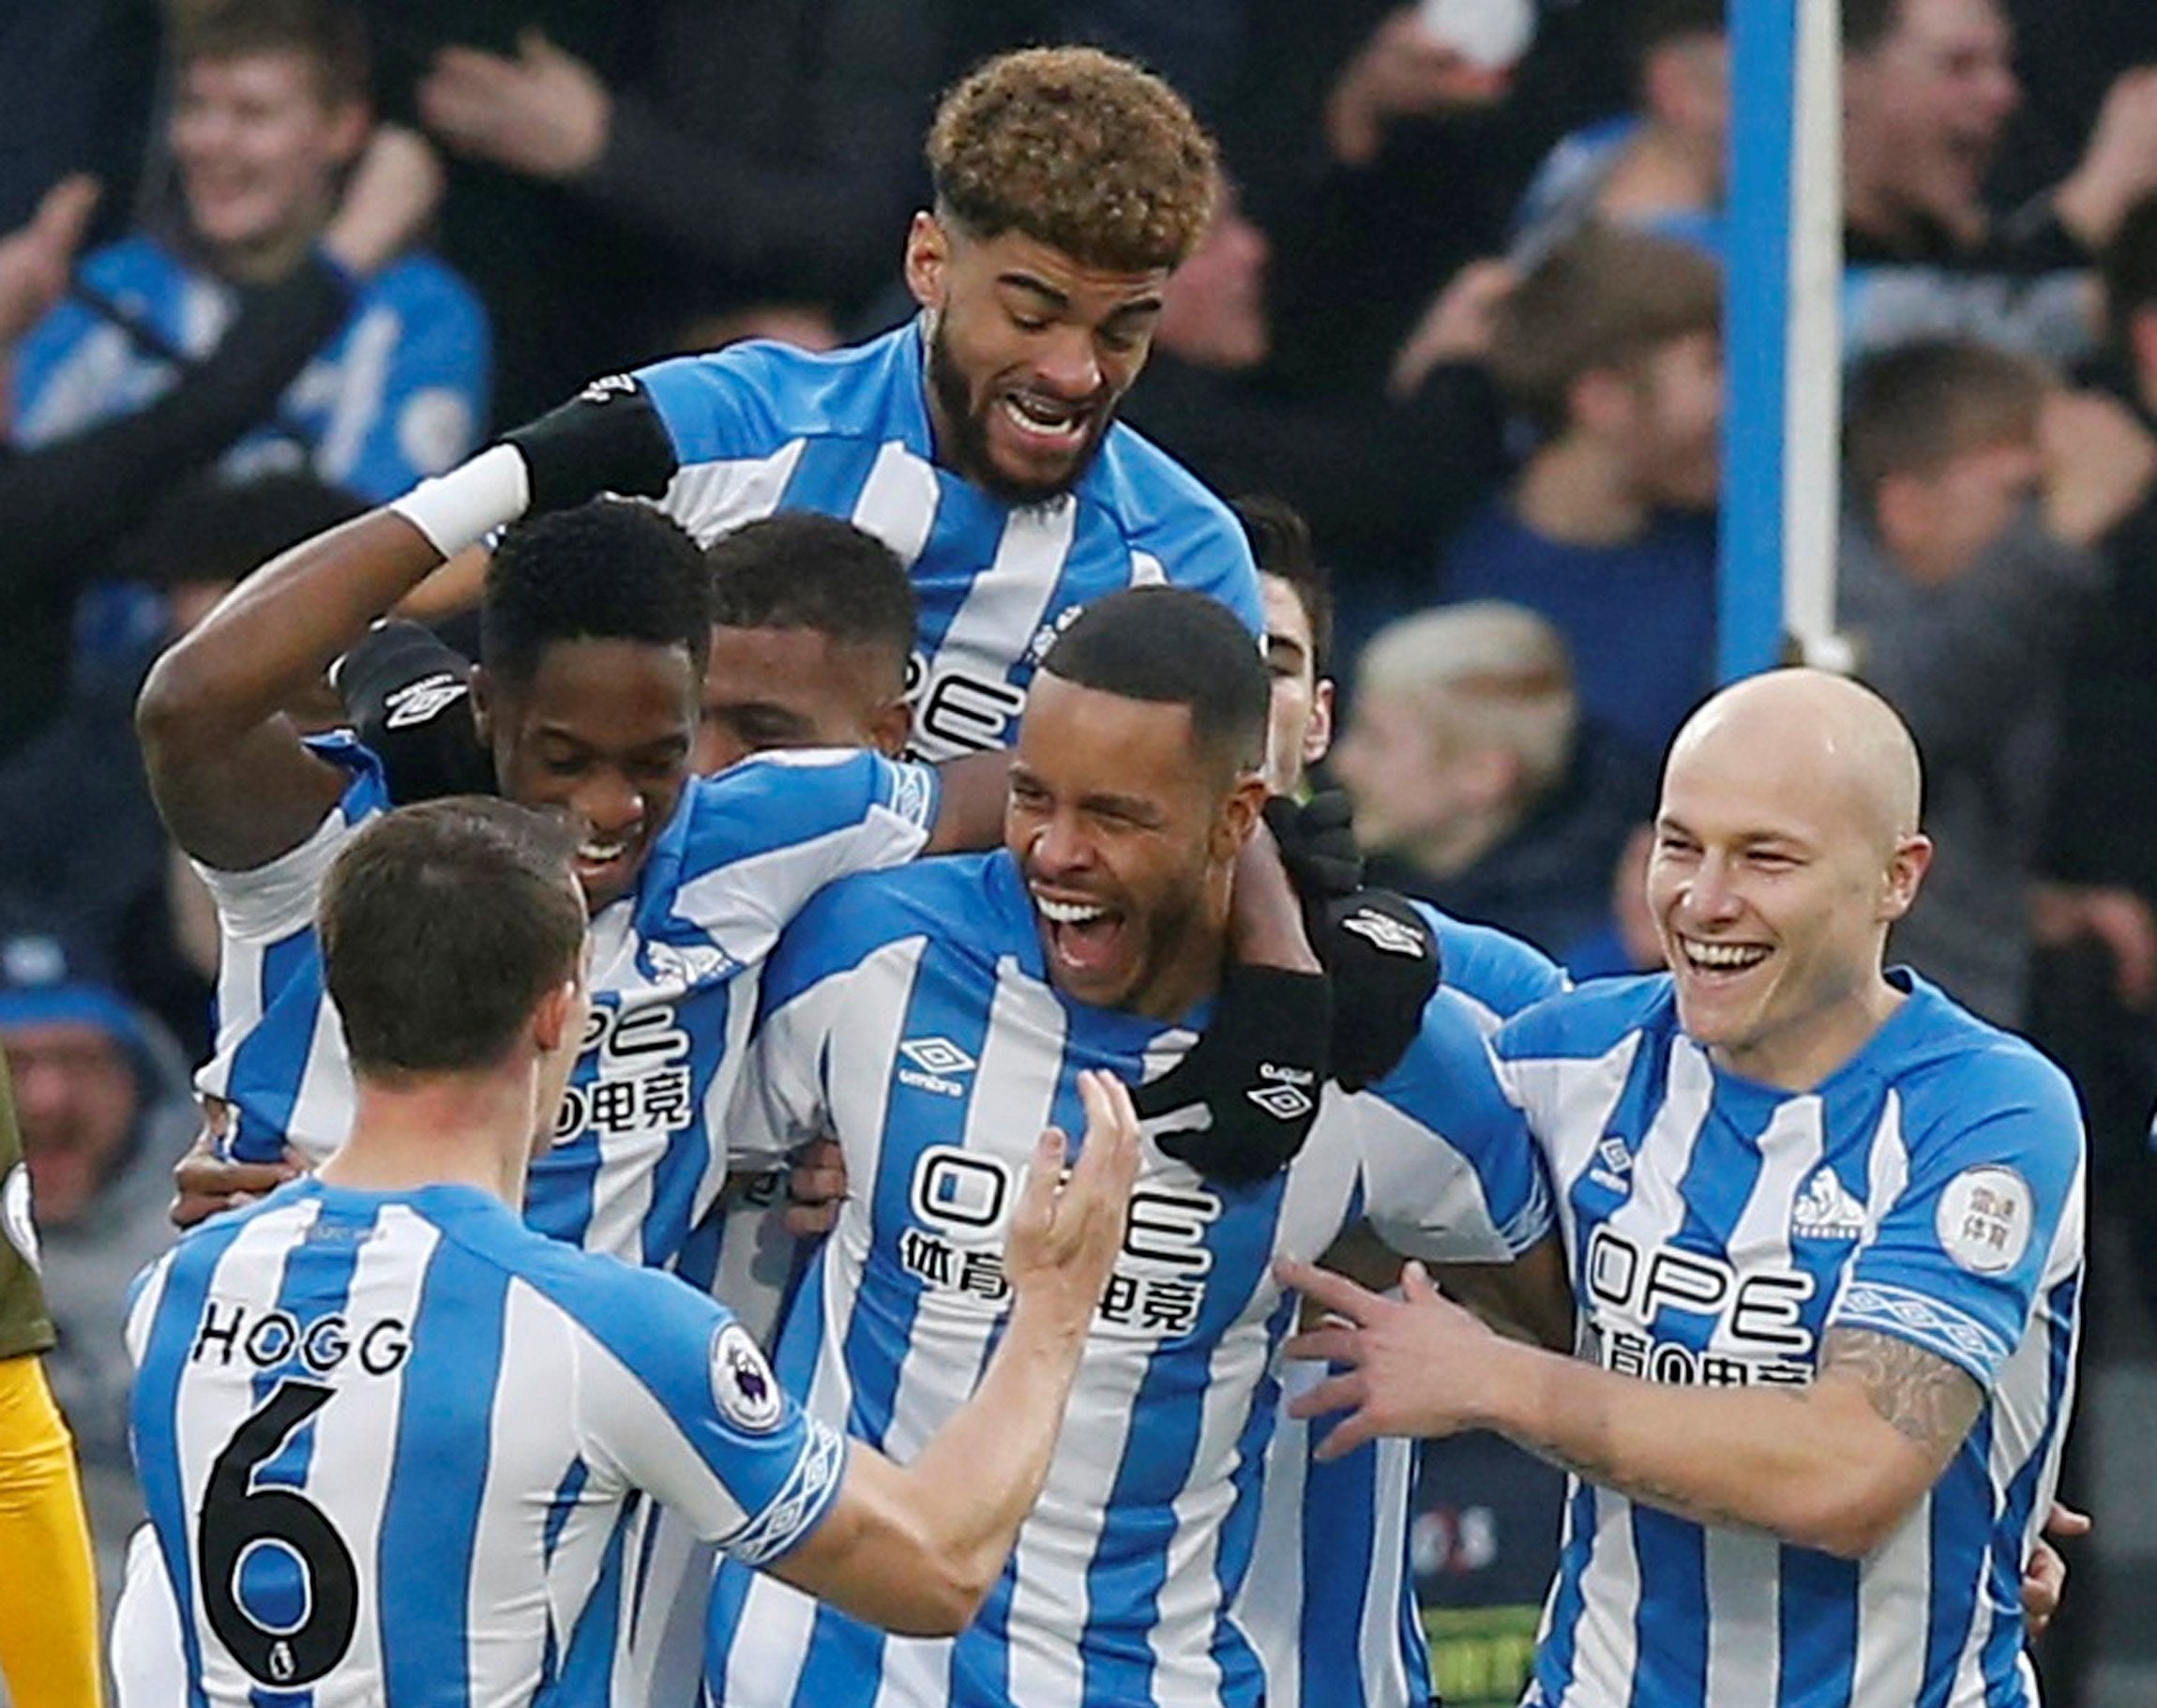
[[268, 263]]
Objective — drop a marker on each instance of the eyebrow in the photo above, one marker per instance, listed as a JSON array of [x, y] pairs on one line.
[[1050, 295]]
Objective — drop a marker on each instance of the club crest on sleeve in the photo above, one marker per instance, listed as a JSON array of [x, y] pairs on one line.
[[746, 1392], [1984, 1219]]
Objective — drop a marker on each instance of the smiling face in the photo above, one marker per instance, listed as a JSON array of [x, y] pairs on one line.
[[1781, 858], [258, 150], [797, 687], [1029, 355], [1925, 110], [1124, 833], [603, 731]]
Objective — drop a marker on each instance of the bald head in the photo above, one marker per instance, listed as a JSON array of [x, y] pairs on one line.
[[1816, 735]]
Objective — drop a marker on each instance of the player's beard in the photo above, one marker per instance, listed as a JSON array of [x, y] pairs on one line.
[[968, 420]]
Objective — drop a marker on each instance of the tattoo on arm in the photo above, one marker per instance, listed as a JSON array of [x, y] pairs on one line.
[[1931, 1401]]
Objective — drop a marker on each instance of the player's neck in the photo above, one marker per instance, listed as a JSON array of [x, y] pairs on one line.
[[1190, 973], [439, 1129], [1804, 1054]]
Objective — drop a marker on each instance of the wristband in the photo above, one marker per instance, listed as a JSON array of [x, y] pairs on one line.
[[464, 507]]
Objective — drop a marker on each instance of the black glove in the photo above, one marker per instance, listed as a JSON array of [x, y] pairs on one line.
[[1317, 840], [1255, 1073], [1382, 957], [607, 438], [408, 696]]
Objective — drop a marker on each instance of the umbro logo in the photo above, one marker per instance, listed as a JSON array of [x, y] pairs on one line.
[[420, 702], [1383, 932], [1827, 1209], [936, 1062], [608, 387], [1286, 1094], [1613, 1167]]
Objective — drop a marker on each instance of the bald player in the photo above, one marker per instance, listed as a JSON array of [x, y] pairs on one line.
[[1826, 1232]]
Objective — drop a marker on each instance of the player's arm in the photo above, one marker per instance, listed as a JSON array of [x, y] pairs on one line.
[[1834, 1466], [916, 1548], [236, 786]]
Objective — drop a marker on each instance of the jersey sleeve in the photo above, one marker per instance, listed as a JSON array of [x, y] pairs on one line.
[[675, 1397], [270, 901], [417, 390], [772, 831], [1450, 1174], [1198, 545], [726, 444], [1956, 1263]]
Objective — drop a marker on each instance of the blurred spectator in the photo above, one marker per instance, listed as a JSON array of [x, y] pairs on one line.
[[1965, 568], [105, 1111], [1928, 87], [271, 113], [1377, 479], [1478, 786], [773, 149], [1610, 349], [1628, 941], [82, 851], [64, 505], [1659, 166]]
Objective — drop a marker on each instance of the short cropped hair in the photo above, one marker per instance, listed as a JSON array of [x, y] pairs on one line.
[[329, 34], [608, 570], [1281, 546], [1484, 673], [1607, 298], [1868, 24], [442, 926], [2129, 267], [212, 529], [1078, 150], [1174, 646], [802, 569], [1917, 407]]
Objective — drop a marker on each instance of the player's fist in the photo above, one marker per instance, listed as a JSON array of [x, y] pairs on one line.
[[1382, 957], [1244, 1095], [607, 438]]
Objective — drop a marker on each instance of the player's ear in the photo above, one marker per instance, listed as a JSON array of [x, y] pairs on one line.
[[483, 703], [1239, 816], [1907, 866], [1318, 732], [927, 259], [889, 726]]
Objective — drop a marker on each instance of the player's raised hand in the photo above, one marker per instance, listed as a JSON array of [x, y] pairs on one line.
[[2044, 1574], [1069, 1223], [1411, 1362]]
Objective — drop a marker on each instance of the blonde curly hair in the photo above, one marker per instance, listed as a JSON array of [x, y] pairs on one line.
[[1076, 149]]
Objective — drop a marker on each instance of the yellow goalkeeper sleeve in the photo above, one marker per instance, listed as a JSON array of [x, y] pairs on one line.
[[47, 1590]]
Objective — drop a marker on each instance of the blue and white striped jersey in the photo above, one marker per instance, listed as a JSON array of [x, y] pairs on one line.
[[910, 1015], [760, 428], [1331, 1598], [390, 1444], [1716, 1229], [398, 393], [639, 1156]]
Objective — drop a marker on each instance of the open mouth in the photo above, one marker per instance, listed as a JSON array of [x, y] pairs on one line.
[[1721, 961], [602, 862], [1083, 937], [1049, 422]]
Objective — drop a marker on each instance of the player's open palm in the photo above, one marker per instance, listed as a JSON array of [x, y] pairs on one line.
[[1405, 1366], [1069, 1222]]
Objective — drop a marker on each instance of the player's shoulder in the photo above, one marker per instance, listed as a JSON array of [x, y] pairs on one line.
[[967, 902], [753, 396], [771, 802], [1148, 492], [1953, 1071], [1493, 971], [1589, 1021]]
